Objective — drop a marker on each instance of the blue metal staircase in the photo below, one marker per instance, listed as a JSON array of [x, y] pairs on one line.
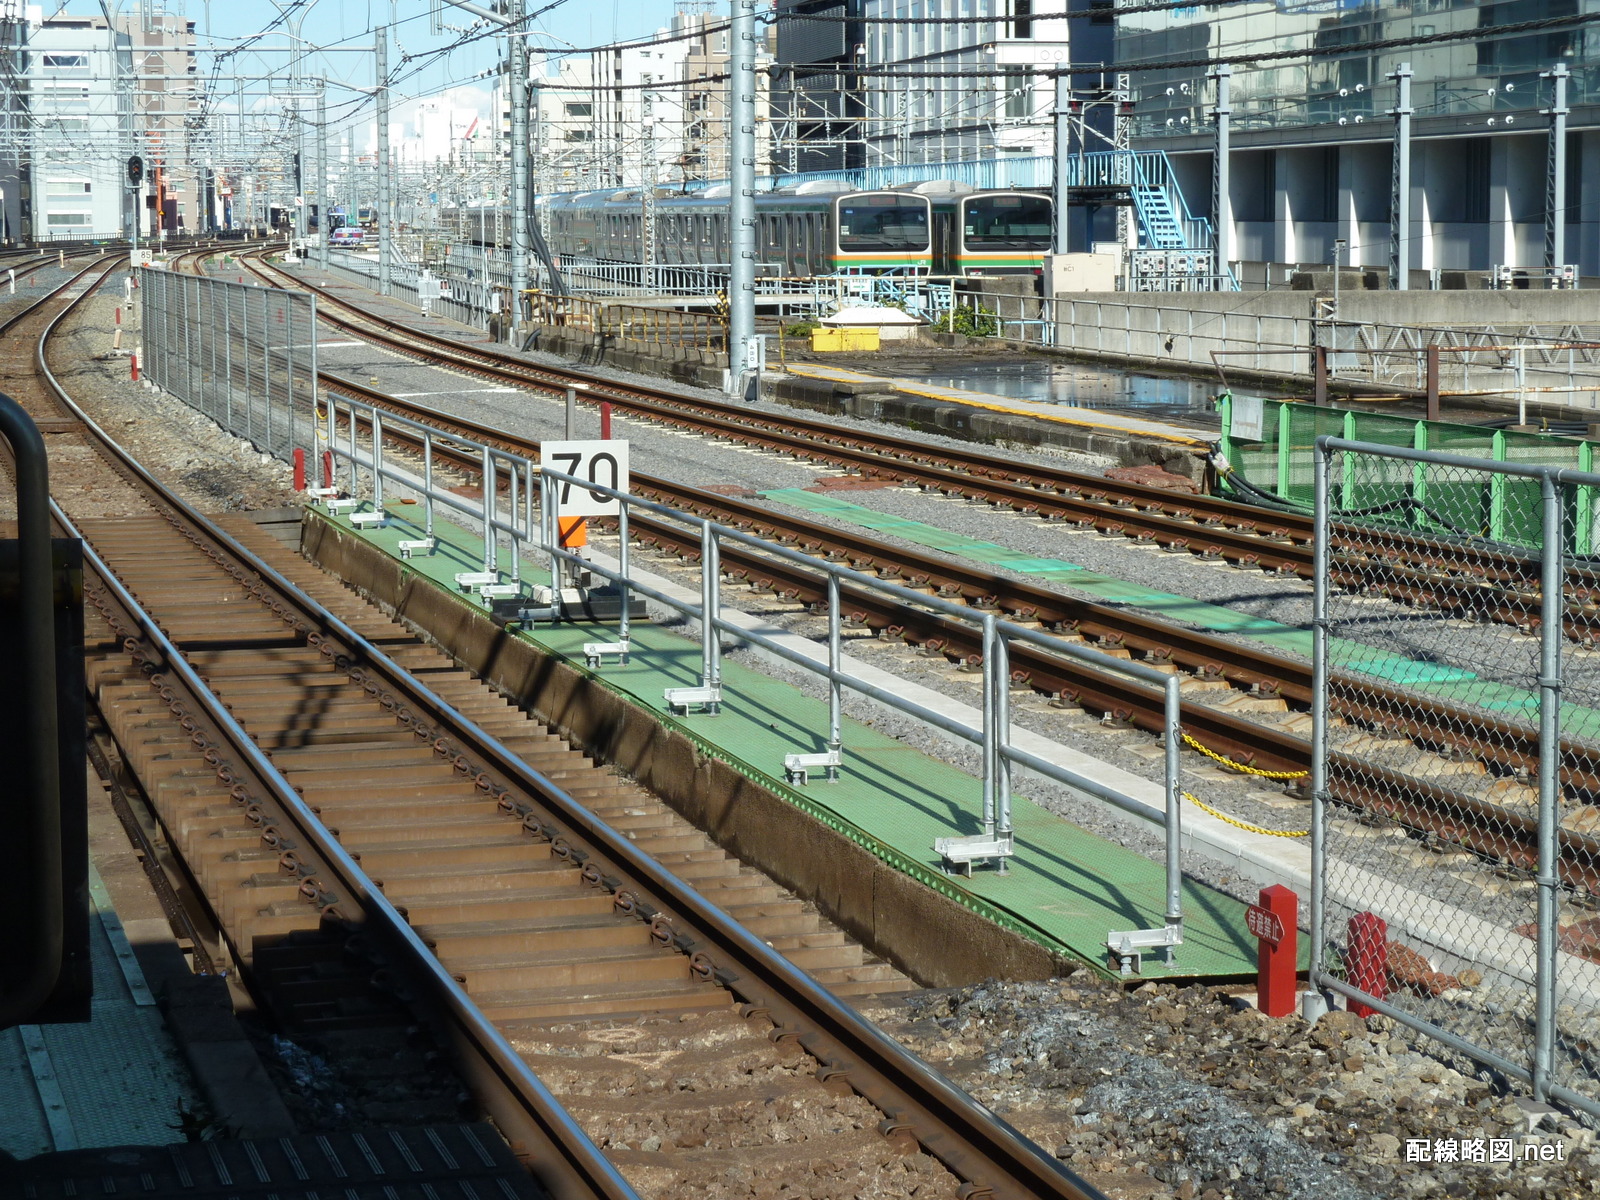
[[1157, 220]]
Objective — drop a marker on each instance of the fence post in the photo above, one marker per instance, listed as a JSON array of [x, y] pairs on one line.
[[1319, 713], [1551, 633]]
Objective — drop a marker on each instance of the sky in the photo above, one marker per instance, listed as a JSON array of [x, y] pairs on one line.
[[342, 26]]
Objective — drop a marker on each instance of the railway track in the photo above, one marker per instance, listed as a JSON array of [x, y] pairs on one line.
[[1495, 822], [1472, 579], [340, 789]]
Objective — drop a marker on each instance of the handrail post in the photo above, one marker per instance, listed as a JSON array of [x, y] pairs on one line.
[[30, 982]]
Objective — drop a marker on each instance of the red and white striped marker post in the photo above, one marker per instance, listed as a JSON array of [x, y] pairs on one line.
[[118, 311], [605, 420], [299, 469], [1275, 922], [133, 362], [327, 468]]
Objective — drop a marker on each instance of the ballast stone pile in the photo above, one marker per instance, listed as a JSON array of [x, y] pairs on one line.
[[1187, 1092]]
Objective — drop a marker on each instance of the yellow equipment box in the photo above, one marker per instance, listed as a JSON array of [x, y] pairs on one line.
[[844, 339]]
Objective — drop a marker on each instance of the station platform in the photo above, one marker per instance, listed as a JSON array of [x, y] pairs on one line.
[[1109, 424], [1066, 888], [116, 1079]]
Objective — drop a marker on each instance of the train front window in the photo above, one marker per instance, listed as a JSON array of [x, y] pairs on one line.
[[1008, 222], [884, 223]]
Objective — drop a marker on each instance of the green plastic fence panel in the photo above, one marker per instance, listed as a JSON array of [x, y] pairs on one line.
[[1522, 521], [1583, 507], [1416, 496], [1384, 492], [1303, 425]]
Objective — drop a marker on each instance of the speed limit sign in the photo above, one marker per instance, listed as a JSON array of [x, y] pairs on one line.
[[603, 462]]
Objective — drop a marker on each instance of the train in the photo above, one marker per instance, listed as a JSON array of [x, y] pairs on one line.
[[814, 228]]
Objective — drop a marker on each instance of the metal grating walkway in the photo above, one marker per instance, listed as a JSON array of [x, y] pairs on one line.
[[445, 1162]]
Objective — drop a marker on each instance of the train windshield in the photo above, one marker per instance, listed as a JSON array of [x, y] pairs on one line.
[[883, 222], [1007, 222]]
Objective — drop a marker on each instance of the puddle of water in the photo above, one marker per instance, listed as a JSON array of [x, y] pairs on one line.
[[1073, 385]]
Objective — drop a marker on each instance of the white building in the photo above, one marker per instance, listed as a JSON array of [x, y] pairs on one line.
[[75, 133]]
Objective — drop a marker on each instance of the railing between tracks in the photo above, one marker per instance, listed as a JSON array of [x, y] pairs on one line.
[[1456, 886], [1270, 446], [244, 355], [469, 302], [514, 506]]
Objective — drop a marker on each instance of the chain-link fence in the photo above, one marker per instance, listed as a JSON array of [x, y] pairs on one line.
[[246, 356], [1456, 868]]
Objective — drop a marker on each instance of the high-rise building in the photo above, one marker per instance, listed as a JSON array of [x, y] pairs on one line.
[[1313, 133], [73, 131]]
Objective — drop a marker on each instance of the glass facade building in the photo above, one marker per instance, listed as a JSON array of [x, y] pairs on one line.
[[1312, 132]]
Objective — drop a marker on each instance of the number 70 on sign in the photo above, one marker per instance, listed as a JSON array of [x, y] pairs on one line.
[[601, 462]]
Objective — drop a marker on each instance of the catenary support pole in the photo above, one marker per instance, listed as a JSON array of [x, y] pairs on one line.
[[741, 200], [521, 240], [385, 223], [1221, 196], [1555, 202], [1063, 179], [324, 201], [1400, 191]]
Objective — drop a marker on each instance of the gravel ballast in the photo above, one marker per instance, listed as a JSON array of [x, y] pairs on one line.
[[1158, 1092]]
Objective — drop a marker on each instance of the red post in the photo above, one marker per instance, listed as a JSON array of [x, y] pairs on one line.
[[1367, 959], [605, 420], [133, 362], [299, 469], [119, 314], [327, 468], [1275, 921]]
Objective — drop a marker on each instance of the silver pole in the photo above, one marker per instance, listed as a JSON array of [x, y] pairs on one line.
[[741, 200], [622, 567], [427, 483], [521, 240], [1319, 715], [385, 223], [547, 518], [1552, 611], [1555, 204], [835, 688], [1002, 738], [295, 62], [490, 545], [1063, 180], [513, 479], [989, 758], [377, 460], [1400, 192], [1221, 196], [324, 199], [1174, 715], [708, 605]]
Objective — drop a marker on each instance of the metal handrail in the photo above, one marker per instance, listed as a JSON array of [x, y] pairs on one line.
[[32, 981]]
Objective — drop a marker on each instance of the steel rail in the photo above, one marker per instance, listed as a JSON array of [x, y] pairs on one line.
[[1413, 568], [572, 1166], [1440, 724], [1251, 742], [1495, 831], [917, 1102]]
